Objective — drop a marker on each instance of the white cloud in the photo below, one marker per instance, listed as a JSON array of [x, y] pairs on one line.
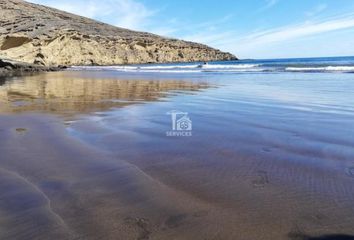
[[318, 9], [215, 39], [122, 13], [207, 31], [271, 3], [300, 30], [131, 14], [268, 4], [272, 41], [253, 43]]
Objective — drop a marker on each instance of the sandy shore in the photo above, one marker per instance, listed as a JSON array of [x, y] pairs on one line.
[[74, 191], [115, 175]]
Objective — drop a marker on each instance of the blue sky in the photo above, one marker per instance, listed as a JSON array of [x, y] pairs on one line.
[[247, 28]]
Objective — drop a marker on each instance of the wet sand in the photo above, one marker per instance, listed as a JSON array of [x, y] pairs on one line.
[[253, 169], [54, 187]]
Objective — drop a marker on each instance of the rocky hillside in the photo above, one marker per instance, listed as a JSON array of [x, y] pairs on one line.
[[37, 34]]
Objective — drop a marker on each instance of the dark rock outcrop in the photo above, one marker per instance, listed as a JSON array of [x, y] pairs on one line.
[[14, 68]]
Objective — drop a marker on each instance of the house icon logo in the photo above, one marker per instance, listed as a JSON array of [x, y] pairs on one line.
[[181, 124], [184, 124]]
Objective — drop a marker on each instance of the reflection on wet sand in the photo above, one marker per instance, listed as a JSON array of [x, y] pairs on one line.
[[72, 93], [54, 187], [254, 169]]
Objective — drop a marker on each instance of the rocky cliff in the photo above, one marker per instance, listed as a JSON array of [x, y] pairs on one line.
[[37, 34]]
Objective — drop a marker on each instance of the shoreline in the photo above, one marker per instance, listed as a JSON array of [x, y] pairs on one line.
[[11, 68]]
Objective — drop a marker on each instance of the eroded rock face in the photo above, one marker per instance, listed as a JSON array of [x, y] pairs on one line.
[[37, 34]]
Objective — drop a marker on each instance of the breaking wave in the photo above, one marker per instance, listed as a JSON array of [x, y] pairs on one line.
[[226, 67], [321, 69]]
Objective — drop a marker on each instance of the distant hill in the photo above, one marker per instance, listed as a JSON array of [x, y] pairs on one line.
[[37, 34]]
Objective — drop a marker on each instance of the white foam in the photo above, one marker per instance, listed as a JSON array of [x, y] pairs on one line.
[[236, 70], [233, 66], [168, 71], [340, 68], [100, 68], [324, 69], [204, 66], [169, 68]]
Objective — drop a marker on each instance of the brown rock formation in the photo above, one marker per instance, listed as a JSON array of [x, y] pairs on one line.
[[37, 34]]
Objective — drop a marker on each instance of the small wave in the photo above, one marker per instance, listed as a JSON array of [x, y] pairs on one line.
[[204, 66], [168, 67], [321, 69], [102, 68], [167, 71], [234, 66], [236, 70]]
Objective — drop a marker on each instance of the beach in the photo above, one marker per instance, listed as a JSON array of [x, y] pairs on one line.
[[85, 154]]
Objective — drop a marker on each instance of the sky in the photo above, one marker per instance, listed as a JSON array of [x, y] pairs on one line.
[[247, 28]]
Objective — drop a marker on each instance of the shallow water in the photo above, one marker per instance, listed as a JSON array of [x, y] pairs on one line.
[[270, 155]]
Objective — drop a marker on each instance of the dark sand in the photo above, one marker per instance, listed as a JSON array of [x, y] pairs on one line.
[[245, 174]]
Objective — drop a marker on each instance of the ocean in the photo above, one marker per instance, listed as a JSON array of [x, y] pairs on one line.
[[249, 149], [333, 64]]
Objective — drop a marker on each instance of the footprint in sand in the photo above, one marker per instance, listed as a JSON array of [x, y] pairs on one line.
[[296, 135], [21, 130], [262, 179], [265, 149], [142, 224], [200, 214], [297, 233], [175, 221], [350, 171]]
